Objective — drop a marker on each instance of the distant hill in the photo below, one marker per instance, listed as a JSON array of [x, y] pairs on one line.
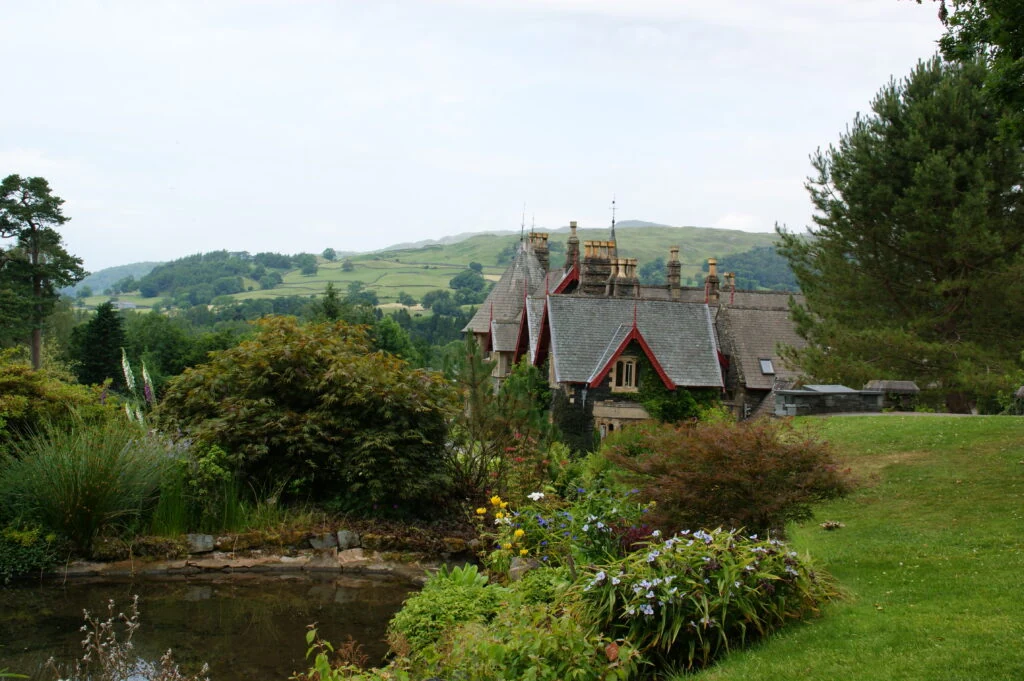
[[99, 281], [421, 267], [629, 224]]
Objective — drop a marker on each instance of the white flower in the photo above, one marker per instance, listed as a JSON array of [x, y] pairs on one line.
[[536, 496]]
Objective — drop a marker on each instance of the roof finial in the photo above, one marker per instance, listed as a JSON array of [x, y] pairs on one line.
[[522, 223], [613, 217]]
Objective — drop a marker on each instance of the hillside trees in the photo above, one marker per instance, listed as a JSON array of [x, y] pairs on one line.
[[36, 265], [915, 265], [315, 407]]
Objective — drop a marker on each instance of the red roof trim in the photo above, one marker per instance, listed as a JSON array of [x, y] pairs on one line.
[[523, 335], [490, 331], [634, 335], [572, 276], [543, 337]]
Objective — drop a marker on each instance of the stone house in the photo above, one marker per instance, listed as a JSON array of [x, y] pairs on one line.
[[602, 335]]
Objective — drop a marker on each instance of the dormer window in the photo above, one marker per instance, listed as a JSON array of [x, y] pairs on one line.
[[624, 376], [766, 366]]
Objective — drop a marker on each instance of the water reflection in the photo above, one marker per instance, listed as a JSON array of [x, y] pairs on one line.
[[245, 627]]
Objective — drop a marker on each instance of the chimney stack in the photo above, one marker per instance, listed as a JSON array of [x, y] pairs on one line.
[[730, 281], [674, 267], [711, 283], [572, 247], [539, 244]]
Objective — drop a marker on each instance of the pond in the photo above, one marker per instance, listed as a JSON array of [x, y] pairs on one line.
[[245, 627]]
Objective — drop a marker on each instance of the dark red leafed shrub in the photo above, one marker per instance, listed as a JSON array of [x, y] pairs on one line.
[[758, 475]]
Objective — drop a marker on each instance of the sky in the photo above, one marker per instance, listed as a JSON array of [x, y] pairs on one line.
[[172, 128]]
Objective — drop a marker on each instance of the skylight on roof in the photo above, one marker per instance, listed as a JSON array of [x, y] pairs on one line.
[[766, 366]]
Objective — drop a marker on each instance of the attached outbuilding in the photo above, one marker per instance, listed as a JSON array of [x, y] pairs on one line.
[[897, 395]]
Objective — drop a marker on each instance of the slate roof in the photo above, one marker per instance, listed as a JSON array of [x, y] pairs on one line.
[[586, 331], [748, 335], [898, 387], [504, 336], [534, 313], [506, 298]]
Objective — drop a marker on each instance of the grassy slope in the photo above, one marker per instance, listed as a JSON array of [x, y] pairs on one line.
[[931, 558], [420, 270]]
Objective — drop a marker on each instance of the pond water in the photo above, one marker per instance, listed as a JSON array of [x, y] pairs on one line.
[[245, 627]]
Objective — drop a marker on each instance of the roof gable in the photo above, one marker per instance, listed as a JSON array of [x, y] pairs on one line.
[[586, 333], [504, 303]]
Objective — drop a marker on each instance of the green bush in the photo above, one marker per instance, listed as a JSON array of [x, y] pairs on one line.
[[536, 642], [82, 478], [687, 599], [26, 551], [445, 601], [757, 474], [29, 398], [314, 407]]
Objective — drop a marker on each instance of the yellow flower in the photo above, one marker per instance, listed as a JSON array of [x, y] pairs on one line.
[[499, 515], [504, 504], [508, 546], [519, 533], [523, 552], [495, 500], [481, 510]]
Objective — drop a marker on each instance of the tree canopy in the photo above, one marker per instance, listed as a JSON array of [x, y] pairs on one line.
[[991, 30], [36, 265], [915, 265]]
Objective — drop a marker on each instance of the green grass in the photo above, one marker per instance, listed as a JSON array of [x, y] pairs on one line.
[[931, 558]]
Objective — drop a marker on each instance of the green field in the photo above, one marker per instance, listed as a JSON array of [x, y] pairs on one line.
[[931, 558], [420, 270]]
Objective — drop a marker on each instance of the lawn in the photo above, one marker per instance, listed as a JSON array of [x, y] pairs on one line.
[[931, 558]]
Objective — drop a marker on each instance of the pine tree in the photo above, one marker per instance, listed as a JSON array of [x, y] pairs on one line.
[[36, 265], [915, 268]]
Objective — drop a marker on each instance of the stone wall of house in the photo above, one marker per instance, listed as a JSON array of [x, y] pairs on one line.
[[581, 412]]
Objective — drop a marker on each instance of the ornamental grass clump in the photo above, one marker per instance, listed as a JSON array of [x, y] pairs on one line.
[[82, 478], [687, 599]]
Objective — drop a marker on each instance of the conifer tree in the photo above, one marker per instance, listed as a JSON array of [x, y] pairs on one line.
[[36, 265], [915, 266], [97, 347]]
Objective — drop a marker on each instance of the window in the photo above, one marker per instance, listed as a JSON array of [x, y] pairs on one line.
[[624, 379], [766, 366]]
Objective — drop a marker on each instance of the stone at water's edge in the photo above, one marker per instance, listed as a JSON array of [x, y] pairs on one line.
[[347, 540], [199, 543], [323, 541]]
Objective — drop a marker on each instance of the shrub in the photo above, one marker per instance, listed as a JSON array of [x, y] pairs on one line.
[[446, 600], [535, 642], [29, 398], [315, 407], [81, 479], [758, 475], [25, 551], [686, 599]]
